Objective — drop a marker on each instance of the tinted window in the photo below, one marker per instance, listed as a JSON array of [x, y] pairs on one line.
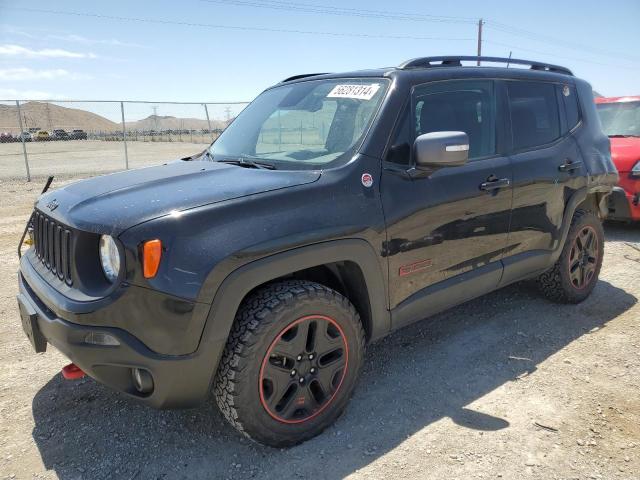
[[570, 101], [310, 124], [400, 149], [534, 113], [620, 119], [463, 106]]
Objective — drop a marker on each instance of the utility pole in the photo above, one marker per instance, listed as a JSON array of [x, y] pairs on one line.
[[227, 112], [155, 117], [49, 117], [480, 22]]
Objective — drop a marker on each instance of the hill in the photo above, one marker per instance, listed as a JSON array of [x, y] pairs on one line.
[[48, 116], [159, 122]]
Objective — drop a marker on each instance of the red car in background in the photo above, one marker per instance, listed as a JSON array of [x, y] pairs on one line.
[[620, 118]]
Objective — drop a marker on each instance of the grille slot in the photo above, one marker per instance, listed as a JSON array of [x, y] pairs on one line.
[[52, 245]]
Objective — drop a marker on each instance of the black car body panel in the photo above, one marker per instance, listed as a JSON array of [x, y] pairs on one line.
[[405, 244], [113, 203]]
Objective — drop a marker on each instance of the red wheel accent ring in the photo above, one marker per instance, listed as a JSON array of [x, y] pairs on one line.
[[583, 258], [267, 356]]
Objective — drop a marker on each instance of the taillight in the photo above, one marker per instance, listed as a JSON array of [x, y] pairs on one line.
[[151, 255]]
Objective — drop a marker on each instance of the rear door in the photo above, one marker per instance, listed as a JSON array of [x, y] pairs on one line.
[[547, 167], [455, 221]]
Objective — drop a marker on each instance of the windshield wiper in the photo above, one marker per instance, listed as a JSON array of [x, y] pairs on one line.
[[246, 163]]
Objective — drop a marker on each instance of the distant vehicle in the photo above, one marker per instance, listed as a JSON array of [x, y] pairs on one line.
[[33, 130], [42, 136], [26, 136], [60, 134], [78, 134], [6, 137], [620, 118]]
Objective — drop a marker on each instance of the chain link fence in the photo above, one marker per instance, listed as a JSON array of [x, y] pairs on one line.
[[39, 138]]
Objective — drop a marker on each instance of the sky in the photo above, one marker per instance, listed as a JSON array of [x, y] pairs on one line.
[[230, 50]]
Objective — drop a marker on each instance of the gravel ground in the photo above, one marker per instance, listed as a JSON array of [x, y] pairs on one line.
[[506, 386], [88, 157]]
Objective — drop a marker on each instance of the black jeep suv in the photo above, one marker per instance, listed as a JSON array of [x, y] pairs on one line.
[[335, 209]]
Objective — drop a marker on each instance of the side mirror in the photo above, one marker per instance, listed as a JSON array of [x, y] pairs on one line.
[[441, 149]]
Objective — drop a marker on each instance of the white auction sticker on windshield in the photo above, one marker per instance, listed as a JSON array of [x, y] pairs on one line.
[[359, 92]]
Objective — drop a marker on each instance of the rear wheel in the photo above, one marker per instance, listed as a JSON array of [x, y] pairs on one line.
[[291, 362], [576, 271]]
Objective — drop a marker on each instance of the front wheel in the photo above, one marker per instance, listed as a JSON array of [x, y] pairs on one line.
[[576, 271], [291, 362]]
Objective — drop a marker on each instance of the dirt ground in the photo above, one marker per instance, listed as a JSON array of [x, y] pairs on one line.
[[89, 157], [507, 386]]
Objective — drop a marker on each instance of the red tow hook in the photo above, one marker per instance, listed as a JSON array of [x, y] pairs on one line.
[[72, 372]]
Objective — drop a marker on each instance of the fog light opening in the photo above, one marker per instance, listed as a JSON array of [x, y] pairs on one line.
[[142, 380], [101, 338]]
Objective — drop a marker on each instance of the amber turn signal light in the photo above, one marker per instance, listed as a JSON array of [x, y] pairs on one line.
[[151, 254]]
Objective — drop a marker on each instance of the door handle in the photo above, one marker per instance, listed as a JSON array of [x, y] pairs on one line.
[[569, 166], [496, 184]]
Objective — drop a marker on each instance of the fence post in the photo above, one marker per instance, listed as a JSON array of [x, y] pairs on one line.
[[124, 137], [206, 111], [24, 147]]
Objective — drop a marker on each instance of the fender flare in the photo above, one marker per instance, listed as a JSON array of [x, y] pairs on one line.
[[241, 281], [575, 199]]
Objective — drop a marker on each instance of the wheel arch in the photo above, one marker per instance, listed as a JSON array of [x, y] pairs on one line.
[[593, 199], [347, 278], [352, 263], [577, 197]]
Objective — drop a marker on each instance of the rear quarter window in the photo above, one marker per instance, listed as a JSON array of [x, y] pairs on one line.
[[569, 98]]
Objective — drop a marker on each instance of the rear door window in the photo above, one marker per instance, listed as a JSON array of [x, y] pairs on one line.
[[535, 118]]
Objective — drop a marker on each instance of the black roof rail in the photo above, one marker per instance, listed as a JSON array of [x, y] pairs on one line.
[[303, 75], [456, 61]]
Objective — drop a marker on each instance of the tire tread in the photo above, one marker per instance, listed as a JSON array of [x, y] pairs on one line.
[[551, 283], [257, 313]]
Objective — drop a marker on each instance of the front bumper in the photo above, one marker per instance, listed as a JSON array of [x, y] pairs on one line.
[[623, 205], [179, 380]]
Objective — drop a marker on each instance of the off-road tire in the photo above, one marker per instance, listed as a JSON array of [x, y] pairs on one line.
[[262, 320], [556, 283]]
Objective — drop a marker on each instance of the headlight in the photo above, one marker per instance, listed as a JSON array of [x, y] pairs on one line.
[[635, 171], [109, 257]]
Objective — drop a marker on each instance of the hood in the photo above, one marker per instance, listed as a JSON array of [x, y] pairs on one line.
[[625, 152], [113, 203]]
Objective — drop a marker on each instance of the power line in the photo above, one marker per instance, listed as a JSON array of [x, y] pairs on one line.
[[309, 8], [416, 17], [344, 11], [511, 47], [508, 29], [233, 27]]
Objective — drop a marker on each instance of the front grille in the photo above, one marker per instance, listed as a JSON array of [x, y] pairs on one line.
[[52, 244]]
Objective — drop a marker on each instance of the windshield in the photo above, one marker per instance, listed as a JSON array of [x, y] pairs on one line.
[[314, 124], [620, 119]]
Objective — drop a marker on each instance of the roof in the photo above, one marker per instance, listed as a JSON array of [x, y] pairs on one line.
[[426, 68]]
